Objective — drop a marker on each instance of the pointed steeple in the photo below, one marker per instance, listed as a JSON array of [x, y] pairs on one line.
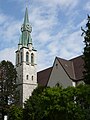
[[26, 29], [26, 19], [26, 25]]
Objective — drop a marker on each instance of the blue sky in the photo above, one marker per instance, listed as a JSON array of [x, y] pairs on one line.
[[56, 28]]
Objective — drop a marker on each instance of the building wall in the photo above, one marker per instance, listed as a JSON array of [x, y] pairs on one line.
[[26, 74], [58, 75], [27, 91]]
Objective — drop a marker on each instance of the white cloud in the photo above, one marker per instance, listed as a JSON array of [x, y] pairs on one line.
[[42, 59], [10, 32], [61, 3], [8, 54], [44, 37], [69, 46], [87, 6], [43, 17], [9, 28], [3, 18], [49, 37], [65, 43], [82, 24]]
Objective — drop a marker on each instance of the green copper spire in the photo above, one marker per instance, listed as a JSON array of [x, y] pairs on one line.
[[30, 40], [20, 40], [26, 19], [26, 29]]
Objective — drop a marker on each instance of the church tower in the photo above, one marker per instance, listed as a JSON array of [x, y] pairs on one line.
[[26, 62]]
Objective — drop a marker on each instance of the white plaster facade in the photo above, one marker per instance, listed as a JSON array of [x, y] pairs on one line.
[[26, 72], [59, 76]]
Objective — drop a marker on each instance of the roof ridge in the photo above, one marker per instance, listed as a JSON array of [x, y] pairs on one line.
[[45, 69], [76, 57], [62, 59]]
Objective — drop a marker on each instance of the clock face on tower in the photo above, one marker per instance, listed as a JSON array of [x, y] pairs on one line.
[[26, 27]]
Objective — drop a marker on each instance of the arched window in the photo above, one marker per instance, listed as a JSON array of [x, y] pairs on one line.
[[32, 58], [21, 57], [27, 57], [18, 59], [27, 77], [32, 78]]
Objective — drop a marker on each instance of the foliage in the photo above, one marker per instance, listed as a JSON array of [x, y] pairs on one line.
[[15, 113], [7, 85], [83, 100], [59, 104], [32, 105], [86, 52]]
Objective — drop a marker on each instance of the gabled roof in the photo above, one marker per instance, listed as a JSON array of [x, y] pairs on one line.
[[67, 66], [78, 64], [43, 76], [73, 68]]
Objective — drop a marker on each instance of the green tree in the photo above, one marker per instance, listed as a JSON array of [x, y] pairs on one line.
[[86, 52], [83, 100], [33, 109], [7, 85], [15, 113], [59, 104]]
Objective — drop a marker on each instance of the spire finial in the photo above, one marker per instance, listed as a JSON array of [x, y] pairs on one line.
[[26, 3]]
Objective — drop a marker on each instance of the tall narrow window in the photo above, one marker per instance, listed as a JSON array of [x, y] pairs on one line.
[[27, 57], [27, 77], [18, 59], [32, 78], [32, 58], [21, 57]]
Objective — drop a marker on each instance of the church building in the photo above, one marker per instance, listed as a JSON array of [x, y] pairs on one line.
[[26, 62], [63, 72]]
